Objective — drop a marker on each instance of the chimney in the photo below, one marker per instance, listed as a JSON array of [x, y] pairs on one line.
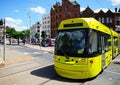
[[119, 10], [63, 1], [115, 9]]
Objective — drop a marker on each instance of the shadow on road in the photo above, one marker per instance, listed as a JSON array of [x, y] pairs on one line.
[[49, 72]]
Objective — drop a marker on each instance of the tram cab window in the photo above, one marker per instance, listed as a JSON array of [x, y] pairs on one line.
[[93, 43], [71, 42]]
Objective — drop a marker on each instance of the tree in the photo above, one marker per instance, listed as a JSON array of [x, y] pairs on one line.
[[17, 35], [11, 33], [25, 35]]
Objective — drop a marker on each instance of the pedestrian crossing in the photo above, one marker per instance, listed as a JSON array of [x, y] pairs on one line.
[[28, 53]]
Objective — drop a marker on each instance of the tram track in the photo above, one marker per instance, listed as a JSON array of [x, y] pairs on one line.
[[19, 68]]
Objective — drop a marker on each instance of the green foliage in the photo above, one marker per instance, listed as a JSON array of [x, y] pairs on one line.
[[11, 32], [37, 36], [25, 34]]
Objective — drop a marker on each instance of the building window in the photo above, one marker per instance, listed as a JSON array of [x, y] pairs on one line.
[[75, 7], [67, 7], [110, 19], [107, 19], [38, 30], [38, 26], [67, 15], [102, 19], [99, 19], [60, 9], [75, 15]]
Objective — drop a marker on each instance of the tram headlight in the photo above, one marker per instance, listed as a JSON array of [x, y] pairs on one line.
[[91, 61], [81, 60]]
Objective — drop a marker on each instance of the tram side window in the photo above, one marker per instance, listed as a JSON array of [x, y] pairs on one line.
[[107, 42], [116, 41], [93, 43]]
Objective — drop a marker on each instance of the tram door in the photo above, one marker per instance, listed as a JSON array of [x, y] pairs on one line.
[[103, 51]]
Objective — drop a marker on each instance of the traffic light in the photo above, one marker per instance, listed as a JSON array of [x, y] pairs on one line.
[[1, 22], [43, 35]]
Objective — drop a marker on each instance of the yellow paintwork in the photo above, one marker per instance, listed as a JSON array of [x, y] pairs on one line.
[[83, 68], [118, 43], [115, 38], [77, 68], [87, 23]]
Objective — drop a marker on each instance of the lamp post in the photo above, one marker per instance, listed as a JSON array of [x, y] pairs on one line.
[[2, 25], [4, 34], [29, 25]]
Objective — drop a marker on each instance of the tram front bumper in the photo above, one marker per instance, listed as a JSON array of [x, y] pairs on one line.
[[72, 74]]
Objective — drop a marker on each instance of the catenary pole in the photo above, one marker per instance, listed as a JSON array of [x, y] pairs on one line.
[[4, 34]]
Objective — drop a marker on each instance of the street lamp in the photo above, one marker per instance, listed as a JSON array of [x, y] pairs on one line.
[[29, 25], [4, 34], [2, 25]]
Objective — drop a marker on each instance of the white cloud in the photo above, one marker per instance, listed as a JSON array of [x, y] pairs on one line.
[[96, 10], [38, 9], [104, 10], [115, 2], [82, 9], [15, 23]]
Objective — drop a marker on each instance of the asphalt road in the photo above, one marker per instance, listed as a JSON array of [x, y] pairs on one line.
[[42, 57], [40, 71]]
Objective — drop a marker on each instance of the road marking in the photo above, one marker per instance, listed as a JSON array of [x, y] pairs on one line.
[[110, 79], [112, 72], [36, 53], [45, 52], [26, 53]]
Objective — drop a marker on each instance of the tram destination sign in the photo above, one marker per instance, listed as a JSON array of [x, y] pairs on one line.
[[73, 25]]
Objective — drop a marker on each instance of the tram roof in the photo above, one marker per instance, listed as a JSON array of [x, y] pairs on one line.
[[114, 33], [77, 23]]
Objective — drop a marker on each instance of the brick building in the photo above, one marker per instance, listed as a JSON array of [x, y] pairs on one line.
[[109, 18], [117, 19], [63, 11]]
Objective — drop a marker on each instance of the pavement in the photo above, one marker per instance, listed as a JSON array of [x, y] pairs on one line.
[[13, 56]]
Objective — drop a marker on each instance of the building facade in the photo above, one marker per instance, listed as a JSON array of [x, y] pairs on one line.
[[117, 19], [35, 28], [63, 11], [46, 24]]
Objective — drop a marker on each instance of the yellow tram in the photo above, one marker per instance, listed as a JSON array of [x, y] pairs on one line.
[[83, 48]]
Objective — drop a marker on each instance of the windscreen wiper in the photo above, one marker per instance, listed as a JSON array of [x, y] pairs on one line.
[[64, 53]]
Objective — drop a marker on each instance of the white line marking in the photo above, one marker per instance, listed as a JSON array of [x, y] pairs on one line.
[[45, 52], [26, 53], [112, 72], [36, 53]]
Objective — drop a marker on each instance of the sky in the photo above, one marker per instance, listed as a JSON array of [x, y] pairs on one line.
[[19, 13]]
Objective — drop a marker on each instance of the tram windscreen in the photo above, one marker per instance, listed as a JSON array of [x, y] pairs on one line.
[[71, 42]]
